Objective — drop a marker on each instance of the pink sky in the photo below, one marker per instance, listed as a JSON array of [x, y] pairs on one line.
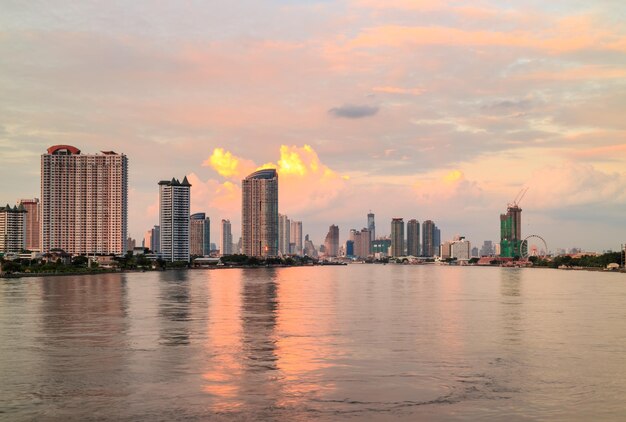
[[415, 109]]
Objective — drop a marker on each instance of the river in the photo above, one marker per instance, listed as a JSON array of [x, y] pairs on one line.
[[362, 342]]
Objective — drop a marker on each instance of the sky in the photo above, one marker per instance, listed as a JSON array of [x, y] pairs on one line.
[[440, 110]]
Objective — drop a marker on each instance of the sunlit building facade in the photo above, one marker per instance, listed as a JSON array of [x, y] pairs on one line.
[[199, 234], [259, 214], [413, 238], [32, 225], [397, 237], [84, 201]]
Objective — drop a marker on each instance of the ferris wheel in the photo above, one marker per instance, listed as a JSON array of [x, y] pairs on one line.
[[537, 248]]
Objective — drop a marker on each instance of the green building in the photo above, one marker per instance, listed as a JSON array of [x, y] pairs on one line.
[[511, 232]]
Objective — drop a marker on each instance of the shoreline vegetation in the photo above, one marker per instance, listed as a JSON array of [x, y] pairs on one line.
[[81, 265]]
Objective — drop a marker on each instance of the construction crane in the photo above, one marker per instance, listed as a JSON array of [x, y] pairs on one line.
[[518, 198]]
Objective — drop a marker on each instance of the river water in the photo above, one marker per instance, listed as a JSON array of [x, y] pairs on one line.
[[362, 342]]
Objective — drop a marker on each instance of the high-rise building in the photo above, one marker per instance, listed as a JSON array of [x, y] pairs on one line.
[[436, 240], [226, 239], [309, 247], [487, 249], [380, 247], [413, 238], [199, 234], [511, 232], [397, 237], [445, 250], [371, 226], [428, 239], [362, 243], [12, 222], [259, 213], [296, 237], [147, 240], [174, 198], [284, 235], [155, 239], [130, 244], [460, 249], [475, 253], [84, 201], [349, 248], [32, 226], [331, 242]]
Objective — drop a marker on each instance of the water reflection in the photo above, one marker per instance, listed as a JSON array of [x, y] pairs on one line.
[[174, 308]]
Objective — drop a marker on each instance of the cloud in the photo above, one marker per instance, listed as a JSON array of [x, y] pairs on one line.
[[228, 165], [398, 90], [571, 184], [350, 111], [446, 188]]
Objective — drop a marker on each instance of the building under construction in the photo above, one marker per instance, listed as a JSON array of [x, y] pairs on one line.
[[511, 228]]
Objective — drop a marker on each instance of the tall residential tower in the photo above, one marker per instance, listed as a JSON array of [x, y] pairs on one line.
[[84, 201], [259, 213], [174, 199]]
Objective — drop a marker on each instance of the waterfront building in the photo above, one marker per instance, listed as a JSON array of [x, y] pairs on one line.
[[295, 237], [84, 201], [174, 198], [511, 231], [428, 241], [155, 240], [445, 250], [413, 238], [362, 243], [371, 226], [32, 225], [331, 242], [199, 234], [226, 239], [475, 253], [259, 213], [460, 249], [284, 235], [380, 247], [397, 237], [12, 222], [349, 248], [436, 239]]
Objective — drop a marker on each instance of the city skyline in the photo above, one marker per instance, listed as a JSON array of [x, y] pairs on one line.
[[426, 110]]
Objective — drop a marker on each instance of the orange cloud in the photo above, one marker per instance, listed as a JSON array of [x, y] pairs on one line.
[[398, 90], [570, 34], [228, 165], [444, 187]]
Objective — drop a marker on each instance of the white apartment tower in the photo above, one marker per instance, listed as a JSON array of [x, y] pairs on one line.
[[84, 201], [174, 219], [12, 229]]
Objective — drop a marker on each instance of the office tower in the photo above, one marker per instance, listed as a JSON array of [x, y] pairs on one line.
[[350, 248], [284, 235], [32, 225], [130, 244], [259, 213], [475, 253], [397, 237], [362, 243], [428, 241], [487, 249], [436, 240], [12, 221], [84, 201], [199, 234], [413, 238], [155, 239], [226, 239], [331, 242], [309, 247], [174, 197], [296, 236], [511, 232], [147, 240], [371, 226]]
